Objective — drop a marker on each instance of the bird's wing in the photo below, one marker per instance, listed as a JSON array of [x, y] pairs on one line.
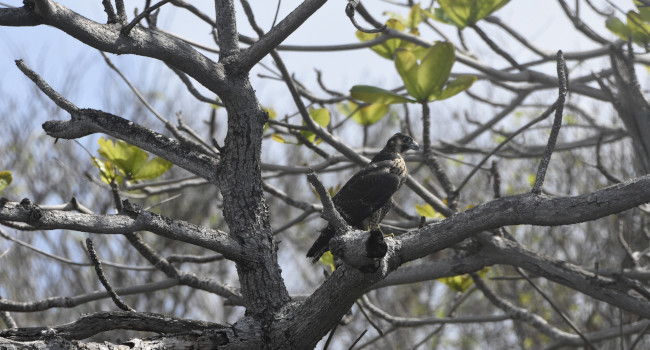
[[366, 192]]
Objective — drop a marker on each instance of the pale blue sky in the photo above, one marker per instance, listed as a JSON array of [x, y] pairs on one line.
[[52, 52]]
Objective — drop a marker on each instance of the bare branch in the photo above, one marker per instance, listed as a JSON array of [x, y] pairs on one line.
[[329, 211], [57, 98], [127, 29], [89, 121], [110, 11], [278, 33], [96, 323], [106, 37], [557, 123], [117, 224], [102, 278]]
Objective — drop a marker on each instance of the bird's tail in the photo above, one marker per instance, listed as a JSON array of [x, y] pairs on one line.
[[321, 245]]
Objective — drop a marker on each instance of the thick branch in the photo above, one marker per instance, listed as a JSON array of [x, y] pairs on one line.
[[118, 224], [89, 121], [107, 37], [277, 34], [525, 209], [92, 324]]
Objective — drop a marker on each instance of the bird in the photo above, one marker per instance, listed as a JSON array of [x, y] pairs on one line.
[[365, 198]]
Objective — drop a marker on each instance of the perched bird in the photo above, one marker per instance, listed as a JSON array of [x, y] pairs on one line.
[[365, 199]]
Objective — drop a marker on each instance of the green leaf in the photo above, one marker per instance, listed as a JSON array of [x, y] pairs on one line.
[[459, 283], [644, 10], [424, 80], [435, 68], [125, 161], [456, 86], [467, 12], [271, 112], [5, 179], [321, 116], [387, 48], [415, 17], [617, 27], [639, 29], [407, 67], [531, 179], [370, 114], [462, 283], [373, 94], [278, 138], [439, 15], [427, 211], [107, 171], [327, 259], [152, 169]]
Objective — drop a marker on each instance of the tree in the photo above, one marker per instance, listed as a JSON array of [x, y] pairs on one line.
[[462, 232]]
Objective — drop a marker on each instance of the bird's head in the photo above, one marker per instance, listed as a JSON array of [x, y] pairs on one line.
[[401, 143]]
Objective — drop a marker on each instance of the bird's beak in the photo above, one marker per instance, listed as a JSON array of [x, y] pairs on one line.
[[414, 146]]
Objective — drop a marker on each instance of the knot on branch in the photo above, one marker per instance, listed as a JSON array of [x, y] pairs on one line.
[[130, 209], [35, 213]]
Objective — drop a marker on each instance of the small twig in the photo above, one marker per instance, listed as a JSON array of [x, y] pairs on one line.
[[329, 211], [496, 180], [121, 11], [5, 317], [349, 11], [556, 308], [277, 11], [330, 337], [127, 29], [639, 337], [110, 11], [365, 314], [557, 123], [57, 98], [478, 166], [358, 339], [102, 278], [599, 164], [496, 48]]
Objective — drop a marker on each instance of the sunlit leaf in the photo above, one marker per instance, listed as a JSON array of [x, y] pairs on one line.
[[388, 47], [456, 86], [439, 15], [327, 259], [644, 10], [415, 17], [459, 283], [639, 29], [372, 94], [427, 211], [152, 169], [271, 112], [407, 67], [462, 283], [435, 68], [322, 117], [278, 138], [467, 12], [617, 27], [531, 179], [122, 160], [370, 114], [425, 78], [5, 179]]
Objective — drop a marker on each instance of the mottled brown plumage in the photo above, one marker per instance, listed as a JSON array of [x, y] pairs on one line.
[[366, 198]]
